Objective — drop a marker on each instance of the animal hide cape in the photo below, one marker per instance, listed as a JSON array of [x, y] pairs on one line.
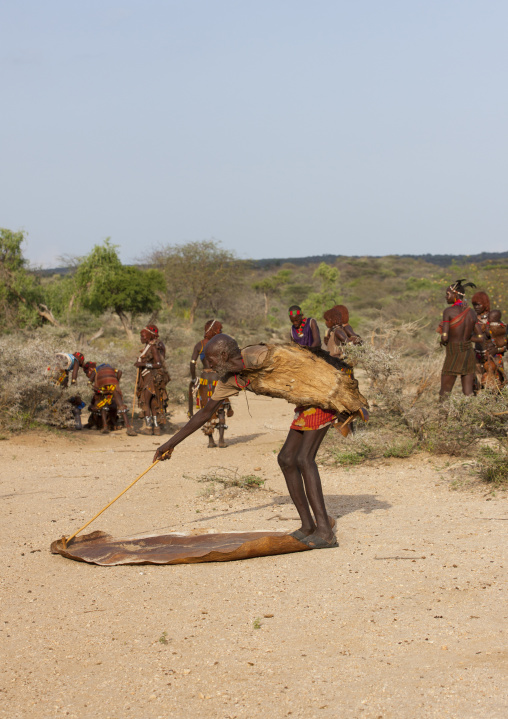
[[305, 379], [101, 548]]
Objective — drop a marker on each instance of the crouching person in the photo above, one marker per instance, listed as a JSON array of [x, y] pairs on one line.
[[105, 381]]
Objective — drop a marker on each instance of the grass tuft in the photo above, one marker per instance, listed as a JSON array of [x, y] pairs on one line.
[[494, 466], [401, 450]]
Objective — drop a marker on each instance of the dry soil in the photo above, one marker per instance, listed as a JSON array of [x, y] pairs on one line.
[[407, 618]]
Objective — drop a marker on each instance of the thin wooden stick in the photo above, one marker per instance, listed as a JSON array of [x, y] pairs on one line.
[[66, 541]]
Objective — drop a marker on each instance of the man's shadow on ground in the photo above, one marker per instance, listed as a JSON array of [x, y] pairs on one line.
[[171, 428], [338, 505], [243, 438]]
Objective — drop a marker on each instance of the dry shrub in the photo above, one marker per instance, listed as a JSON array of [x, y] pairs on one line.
[[223, 482], [404, 393], [27, 395], [459, 423], [405, 389]]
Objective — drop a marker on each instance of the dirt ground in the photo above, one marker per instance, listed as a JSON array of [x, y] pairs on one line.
[[407, 618]]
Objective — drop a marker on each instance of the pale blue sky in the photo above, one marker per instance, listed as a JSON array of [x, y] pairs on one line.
[[280, 127]]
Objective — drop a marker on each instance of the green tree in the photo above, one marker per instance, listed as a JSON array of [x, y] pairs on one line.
[[103, 283], [199, 273], [329, 296], [271, 286], [21, 295]]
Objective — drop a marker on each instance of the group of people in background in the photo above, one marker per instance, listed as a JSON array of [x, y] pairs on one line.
[[108, 410], [475, 342], [107, 407]]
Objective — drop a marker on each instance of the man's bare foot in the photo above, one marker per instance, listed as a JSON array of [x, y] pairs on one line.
[[222, 444], [325, 533], [306, 531], [104, 430], [145, 430], [315, 541], [211, 443], [131, 432], [303, 532], [157, 431]]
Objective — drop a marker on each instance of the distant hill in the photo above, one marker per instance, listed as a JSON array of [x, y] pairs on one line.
[[441, 260]]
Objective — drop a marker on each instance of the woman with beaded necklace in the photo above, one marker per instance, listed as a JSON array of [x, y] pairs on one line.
[[304, 330]]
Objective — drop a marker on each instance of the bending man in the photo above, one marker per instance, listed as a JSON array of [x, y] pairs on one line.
[[297, 456]]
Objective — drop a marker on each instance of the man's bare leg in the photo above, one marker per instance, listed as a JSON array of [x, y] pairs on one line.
[[447, 382], [104, 418], [297, 462], [144, 402], [153, 409], [221, 414], [122, 409], [306, 461], [467, 384]]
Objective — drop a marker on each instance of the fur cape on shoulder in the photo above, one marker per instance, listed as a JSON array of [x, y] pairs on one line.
[[306, 378]]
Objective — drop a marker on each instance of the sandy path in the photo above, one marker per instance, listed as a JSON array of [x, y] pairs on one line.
[[407, 618]]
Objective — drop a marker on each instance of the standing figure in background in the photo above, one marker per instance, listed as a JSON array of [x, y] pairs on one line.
[[152, 380], [489, 353], [497, 346], [204, 387], [304, 330], [481, 304], [458, 329], [105, 381], [339, 332]]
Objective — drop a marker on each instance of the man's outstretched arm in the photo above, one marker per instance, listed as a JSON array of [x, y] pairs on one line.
[[199, 419]]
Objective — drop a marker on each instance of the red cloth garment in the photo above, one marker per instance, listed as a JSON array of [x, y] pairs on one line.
[[455, 322], [309, 418]]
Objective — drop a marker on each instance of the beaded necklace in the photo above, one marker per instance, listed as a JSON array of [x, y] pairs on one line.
[[299, 330]]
